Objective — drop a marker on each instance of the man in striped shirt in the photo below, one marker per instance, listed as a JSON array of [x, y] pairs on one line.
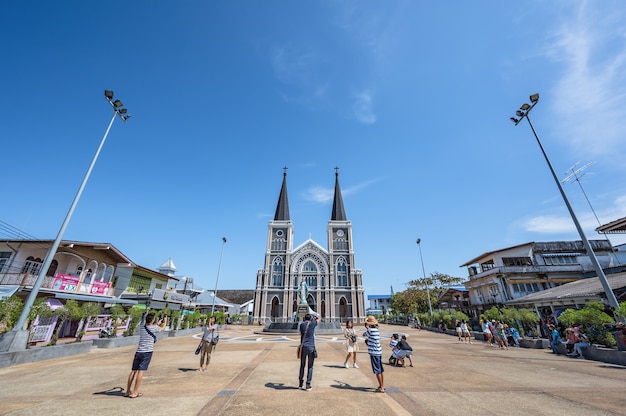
[[372, 339], [147, 338]]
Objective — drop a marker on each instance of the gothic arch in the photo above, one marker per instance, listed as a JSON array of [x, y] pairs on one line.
[[311, 301], [344, 314], [275, 310]]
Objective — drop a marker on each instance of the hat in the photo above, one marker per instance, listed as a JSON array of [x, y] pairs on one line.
[[371, 320], [576, 329]]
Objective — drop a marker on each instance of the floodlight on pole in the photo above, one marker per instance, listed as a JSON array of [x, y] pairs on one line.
[[430, 306], [525, 110], [219, 266], [55, 245]]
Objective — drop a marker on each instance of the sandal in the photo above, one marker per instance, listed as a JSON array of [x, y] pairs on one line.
[[135, 396]]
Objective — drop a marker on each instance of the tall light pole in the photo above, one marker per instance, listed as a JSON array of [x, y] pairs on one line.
[[430, 306], [219, 266], [522, 113], [123, 114]]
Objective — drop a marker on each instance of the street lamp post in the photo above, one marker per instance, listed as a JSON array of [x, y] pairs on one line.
[[430, 307], [522, 113], [19, 341], [219, 266]]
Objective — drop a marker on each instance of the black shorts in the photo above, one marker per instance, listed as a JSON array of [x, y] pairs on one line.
[[142, 361]]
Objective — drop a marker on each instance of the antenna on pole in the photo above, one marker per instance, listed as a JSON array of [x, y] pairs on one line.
[[576, 174]]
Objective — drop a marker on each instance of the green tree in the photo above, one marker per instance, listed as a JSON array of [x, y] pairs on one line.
[[135, 316], [118, 314], [10, 310], [435, 284], [621, 311], [175, 319], [591, 319], [81, 314], [491, 314], [62, 314]]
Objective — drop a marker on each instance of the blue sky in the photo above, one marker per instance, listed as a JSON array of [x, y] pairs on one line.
[[411, 100]]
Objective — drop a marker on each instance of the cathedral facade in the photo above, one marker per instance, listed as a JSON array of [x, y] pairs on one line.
[[335, 285]]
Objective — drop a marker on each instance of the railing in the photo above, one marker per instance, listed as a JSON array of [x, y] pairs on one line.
[[26, 280]]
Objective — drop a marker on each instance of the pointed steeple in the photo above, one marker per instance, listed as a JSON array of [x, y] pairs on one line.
[[338, 214], [282, 209]]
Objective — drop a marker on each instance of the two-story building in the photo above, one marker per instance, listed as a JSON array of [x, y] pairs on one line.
[[85, 272], [499, 276]]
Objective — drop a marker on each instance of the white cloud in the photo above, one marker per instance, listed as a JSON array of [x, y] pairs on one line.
[[590, 95], [322, 195], [319, 194], [560, 224], [363, 107]]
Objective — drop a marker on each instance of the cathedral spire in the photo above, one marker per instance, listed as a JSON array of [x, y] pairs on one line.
[[282, 209], [338, 214]]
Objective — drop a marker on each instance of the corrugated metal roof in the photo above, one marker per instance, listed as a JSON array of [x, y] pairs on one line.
[[583, 288]]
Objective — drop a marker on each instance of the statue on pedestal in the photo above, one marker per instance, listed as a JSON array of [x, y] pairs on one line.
[[303, 293]]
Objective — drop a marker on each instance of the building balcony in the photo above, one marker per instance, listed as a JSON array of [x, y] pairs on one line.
[[59, 283], [522, 270]]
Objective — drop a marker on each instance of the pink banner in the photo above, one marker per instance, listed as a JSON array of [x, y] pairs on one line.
[[99, 288], [66, 282]]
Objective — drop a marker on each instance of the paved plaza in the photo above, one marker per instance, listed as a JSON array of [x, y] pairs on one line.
[[252, 374]]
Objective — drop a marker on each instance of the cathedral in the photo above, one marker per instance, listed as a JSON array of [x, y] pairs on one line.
[[335, 285]]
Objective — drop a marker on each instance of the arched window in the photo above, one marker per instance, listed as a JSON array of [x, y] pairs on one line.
[[31, 265], [309, 273], [277, 272], [53, 268], [279, 244], [108, 275], [101, 272], [342, 272]]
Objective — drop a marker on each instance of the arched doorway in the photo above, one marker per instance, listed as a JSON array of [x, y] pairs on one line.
[[275, 311], [343, 310]]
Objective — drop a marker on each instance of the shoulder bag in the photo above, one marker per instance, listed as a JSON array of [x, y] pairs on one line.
[[150, 333], [215, 339], [302, 340]]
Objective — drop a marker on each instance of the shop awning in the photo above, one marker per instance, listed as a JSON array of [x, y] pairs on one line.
[[7, 291]]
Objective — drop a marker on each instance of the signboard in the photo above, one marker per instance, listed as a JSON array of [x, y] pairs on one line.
[[99, 288], [170, 297], [66, 282]]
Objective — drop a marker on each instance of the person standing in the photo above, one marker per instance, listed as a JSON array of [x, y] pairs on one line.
[[307, 340], [351, 344], [209, 333], [143, 355], [372, 338], [466, 332], [487, 332]]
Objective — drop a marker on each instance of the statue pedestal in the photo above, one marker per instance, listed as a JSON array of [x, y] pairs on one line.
[[303, 309]]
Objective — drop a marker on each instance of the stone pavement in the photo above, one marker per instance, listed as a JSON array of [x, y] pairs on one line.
[[252, 374]]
